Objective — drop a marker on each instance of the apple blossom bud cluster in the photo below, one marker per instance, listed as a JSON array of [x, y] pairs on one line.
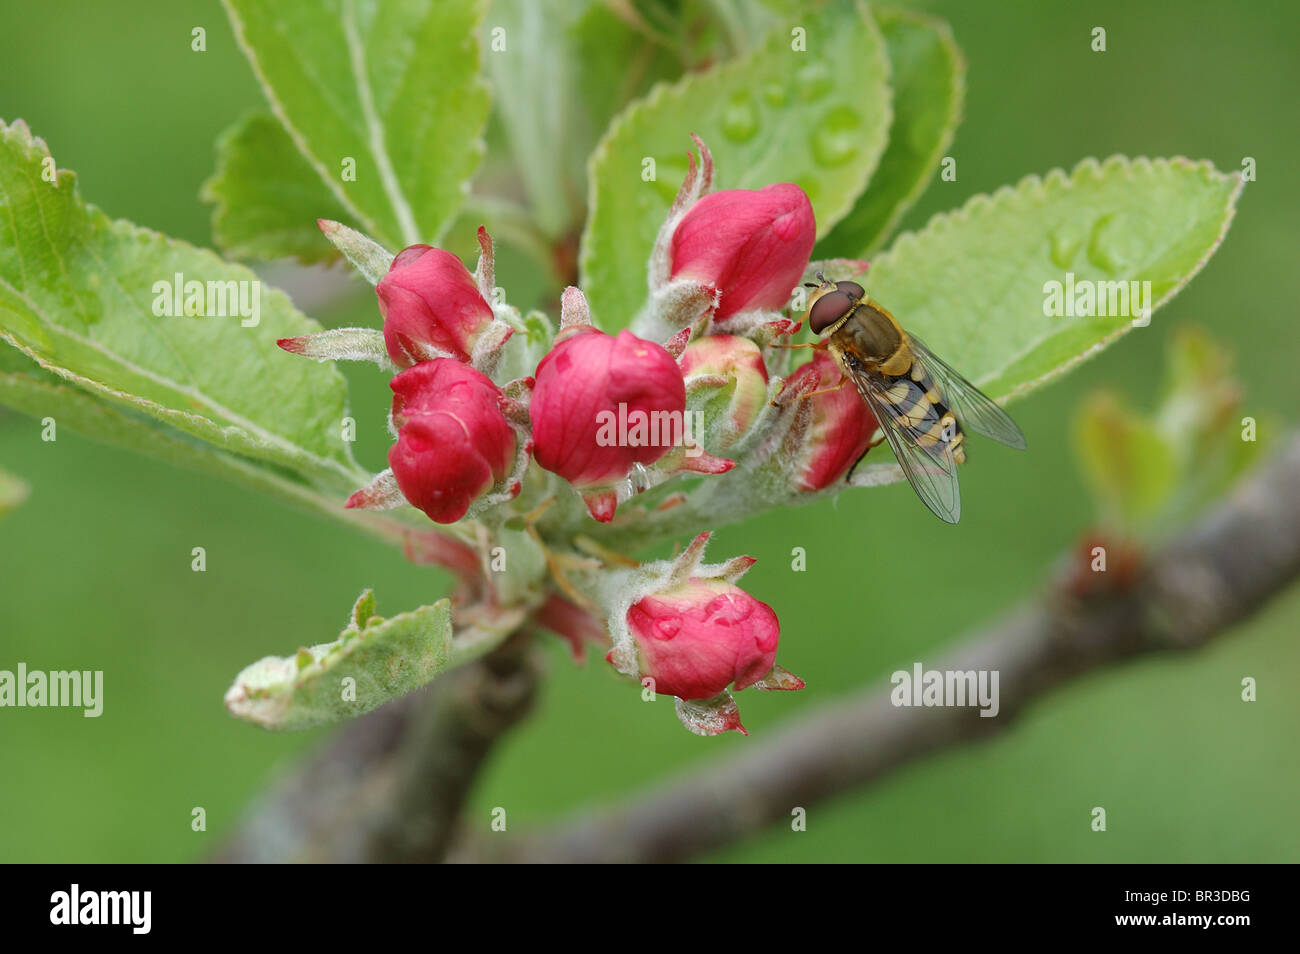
[[566, 441]]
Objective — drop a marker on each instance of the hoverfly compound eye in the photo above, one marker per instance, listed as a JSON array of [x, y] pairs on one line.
[[827, 310], [852, 289]]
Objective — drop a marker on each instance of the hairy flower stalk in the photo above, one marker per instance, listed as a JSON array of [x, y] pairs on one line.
[[615, 440]]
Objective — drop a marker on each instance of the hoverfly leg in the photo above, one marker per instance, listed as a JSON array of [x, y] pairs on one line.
[[848, 478], [843, 381], [821, 345]]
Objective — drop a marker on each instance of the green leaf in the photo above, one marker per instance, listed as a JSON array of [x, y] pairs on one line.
[[616, 64], [1201, 396], [12, 492], [78, 294], [391, 84], [817, 118], [929, 79], [973, 283], [1155, 471], [1199, 415], [365, 667], [540, 119], [1129, 465], [363, 610], [41, 394], [1236, 455], [267, 196], [30, 390]]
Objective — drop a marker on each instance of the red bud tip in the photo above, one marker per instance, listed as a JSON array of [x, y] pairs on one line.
[[677, 343], [706, 464], [601, 506]]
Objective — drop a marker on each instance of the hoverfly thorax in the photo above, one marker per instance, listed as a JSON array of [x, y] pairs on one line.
[[854, 327]]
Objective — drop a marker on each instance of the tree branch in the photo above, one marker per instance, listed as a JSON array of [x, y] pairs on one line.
[[1184, 594], [389, 786]]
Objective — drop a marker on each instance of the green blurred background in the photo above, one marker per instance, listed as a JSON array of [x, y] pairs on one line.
[[95, 567]]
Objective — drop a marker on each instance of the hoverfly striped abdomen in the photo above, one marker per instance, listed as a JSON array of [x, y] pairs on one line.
[[922, 413]]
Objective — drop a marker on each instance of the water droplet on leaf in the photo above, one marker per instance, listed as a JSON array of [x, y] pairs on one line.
[[1100, 248], [740, 121], [774, 94], [1063, 248], [835, 140], [814, 81]]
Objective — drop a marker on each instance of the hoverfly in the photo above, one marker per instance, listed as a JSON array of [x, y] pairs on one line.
[[921, 405]]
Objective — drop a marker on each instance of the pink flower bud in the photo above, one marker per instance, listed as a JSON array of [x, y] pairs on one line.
[[698, 637], [727, 380], [453, 442], [430, 300], [842, 424], [593, 391], [752, 246]]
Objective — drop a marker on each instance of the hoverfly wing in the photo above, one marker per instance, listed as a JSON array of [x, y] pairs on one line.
[[975, 410], [932, 472]]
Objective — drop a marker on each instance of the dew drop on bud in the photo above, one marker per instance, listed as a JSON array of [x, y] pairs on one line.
[[668, 628]]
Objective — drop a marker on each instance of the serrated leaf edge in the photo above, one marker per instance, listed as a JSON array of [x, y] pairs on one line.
[[36, 147], [1035, 187]]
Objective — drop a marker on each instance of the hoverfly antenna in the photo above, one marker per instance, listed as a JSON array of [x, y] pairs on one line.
[[811, 285], [821, 278]]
